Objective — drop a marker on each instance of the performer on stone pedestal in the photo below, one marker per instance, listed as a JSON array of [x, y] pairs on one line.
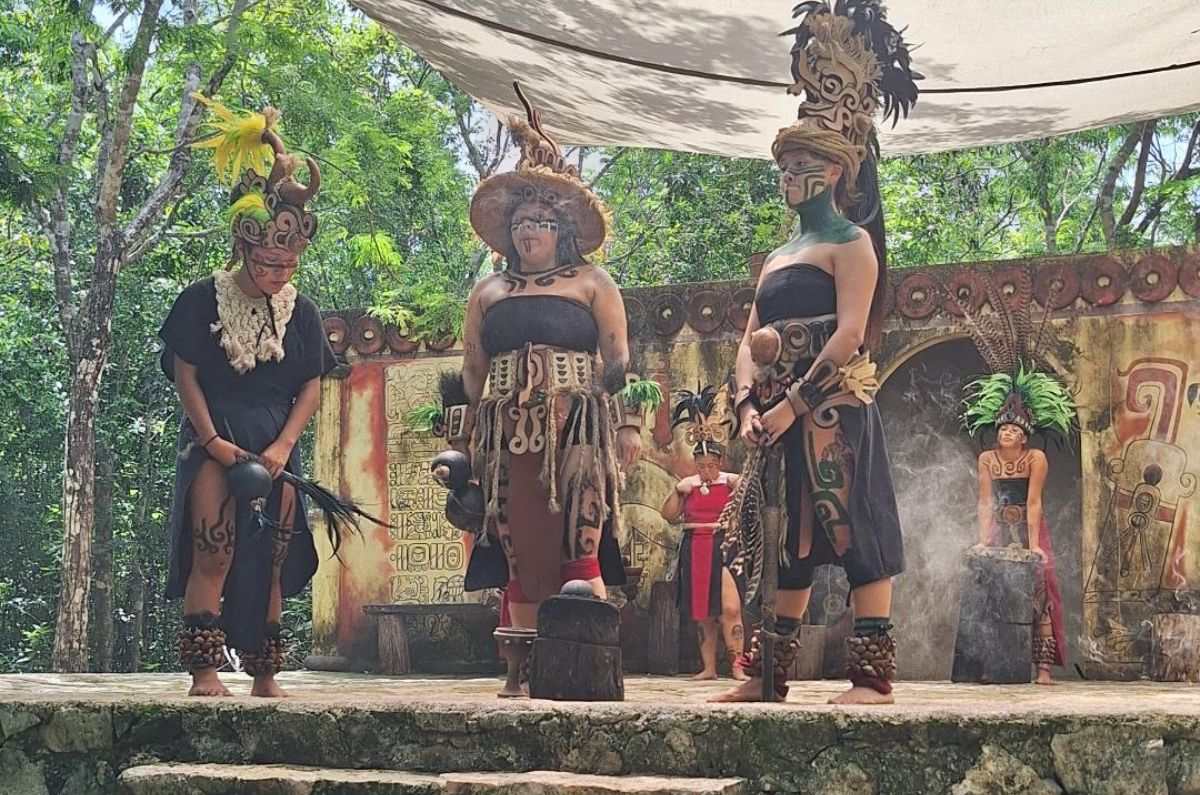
[[707, 591], [804, 379], [246, 352], [1017, 400], [545, 360]]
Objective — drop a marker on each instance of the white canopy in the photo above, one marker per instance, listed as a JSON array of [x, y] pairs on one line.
[[710, 75]]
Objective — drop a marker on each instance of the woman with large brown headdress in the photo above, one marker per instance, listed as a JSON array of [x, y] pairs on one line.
[[545, 362], [804, 379], [246, 352]]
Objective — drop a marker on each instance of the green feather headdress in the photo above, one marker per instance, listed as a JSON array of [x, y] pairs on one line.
[[1019, 391], [1044, 401], [642, 394]]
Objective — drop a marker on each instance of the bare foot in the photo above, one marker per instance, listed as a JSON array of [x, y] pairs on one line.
[[705, 675], [521, 691], [737, 674], [750, 690], [863, 695], [267, 687], [205, 682], [1043, 677]]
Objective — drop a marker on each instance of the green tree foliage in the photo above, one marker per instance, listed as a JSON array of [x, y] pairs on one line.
[[393, 234]]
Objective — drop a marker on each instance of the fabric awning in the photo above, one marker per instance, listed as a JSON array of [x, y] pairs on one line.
[[710, 75]]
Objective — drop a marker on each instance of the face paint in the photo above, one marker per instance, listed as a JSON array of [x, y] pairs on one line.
[[804, 182]]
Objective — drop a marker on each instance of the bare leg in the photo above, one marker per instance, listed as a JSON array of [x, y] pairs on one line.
[[731, 623], [265, 684], [211, 513], [706, 631], [871, 600], [523, 614], [788, 604]]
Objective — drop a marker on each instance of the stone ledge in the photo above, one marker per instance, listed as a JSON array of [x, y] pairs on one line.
[[203, 779], [939, 738]]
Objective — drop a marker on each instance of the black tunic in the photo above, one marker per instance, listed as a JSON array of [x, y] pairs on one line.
[[249, 410], [877, 547]]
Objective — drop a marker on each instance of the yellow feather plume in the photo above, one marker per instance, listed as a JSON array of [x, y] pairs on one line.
[[236, 140], [252, 204]]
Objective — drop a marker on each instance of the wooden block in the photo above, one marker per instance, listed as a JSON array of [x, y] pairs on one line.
[[565, 670], [1008, 578], [393, 645], [1175, 648], [582, 619], [663, 654], [994, 642]]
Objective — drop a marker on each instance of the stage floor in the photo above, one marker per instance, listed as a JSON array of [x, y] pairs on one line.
[[915, 700], [1093, 737]]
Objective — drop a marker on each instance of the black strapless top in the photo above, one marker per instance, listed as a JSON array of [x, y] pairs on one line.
[[1010, 491], [512, 323], [795, 291]]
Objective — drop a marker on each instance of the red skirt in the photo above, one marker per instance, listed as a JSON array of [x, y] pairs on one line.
[[700, 564]]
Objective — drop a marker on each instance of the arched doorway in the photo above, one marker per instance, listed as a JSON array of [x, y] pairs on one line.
[[934, 468]]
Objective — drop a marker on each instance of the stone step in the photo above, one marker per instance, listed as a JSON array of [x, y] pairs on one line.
[[216, 779]]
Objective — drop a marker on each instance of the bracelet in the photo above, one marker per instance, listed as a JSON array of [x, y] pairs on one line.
[[210, 440], [623, 416], [804, 396], [456, 423]]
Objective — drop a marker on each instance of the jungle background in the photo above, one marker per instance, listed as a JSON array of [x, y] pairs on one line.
[[106, 213]]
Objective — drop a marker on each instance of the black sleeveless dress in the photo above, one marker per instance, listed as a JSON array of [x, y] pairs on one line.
[[250, 410], [877, 549], [511, 324]]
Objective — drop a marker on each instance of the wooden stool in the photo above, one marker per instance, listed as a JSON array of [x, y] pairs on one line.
[[393, 647], [1175, 649]]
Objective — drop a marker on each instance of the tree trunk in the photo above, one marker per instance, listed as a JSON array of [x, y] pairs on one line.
[[1050, 231], [79, 506], [137, 574], [102, 557]]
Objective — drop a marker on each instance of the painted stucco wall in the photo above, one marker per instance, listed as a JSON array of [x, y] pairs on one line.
[[1126, 548]]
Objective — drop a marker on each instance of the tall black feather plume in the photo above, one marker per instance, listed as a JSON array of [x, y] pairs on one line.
[[898, 82]]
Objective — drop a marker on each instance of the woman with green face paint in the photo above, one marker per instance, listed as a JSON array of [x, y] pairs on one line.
[[804, 378]]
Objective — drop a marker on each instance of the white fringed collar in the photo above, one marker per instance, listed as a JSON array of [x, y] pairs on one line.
[[244, 324]]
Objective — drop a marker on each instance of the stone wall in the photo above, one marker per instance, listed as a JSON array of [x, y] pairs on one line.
[[1127, 548]]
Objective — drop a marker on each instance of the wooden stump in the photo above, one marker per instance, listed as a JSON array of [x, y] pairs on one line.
[[577, 655], [995, 620], [663, 654], [1175, 649], [834, 663], [393, 645], [810, 662]]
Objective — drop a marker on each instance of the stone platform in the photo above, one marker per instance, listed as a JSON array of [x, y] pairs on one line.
[[75, 734]]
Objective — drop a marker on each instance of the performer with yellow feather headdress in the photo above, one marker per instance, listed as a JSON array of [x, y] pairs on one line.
[[246, 352], [804, 378], [706, 591]]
